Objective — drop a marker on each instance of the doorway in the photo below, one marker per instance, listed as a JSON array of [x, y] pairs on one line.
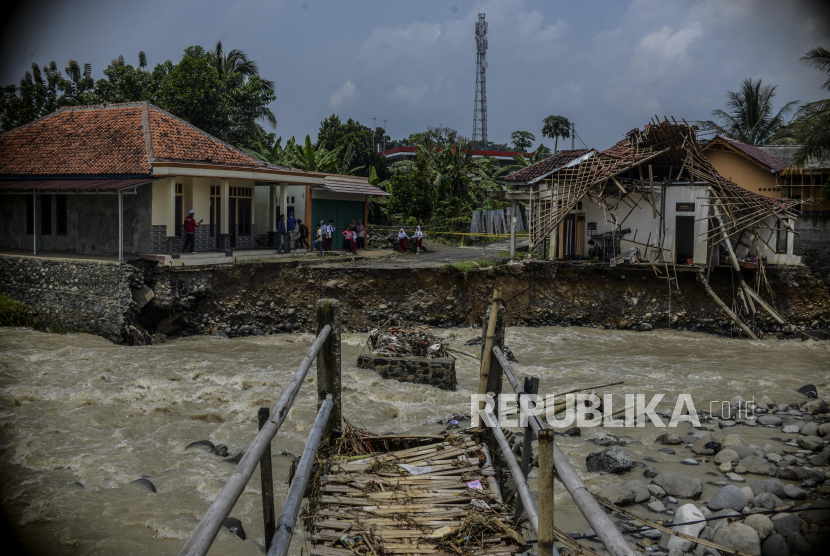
[[684, 241]]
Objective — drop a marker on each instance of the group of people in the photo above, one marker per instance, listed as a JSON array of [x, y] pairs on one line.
[[354, 236], [417, 237], [292, 232]]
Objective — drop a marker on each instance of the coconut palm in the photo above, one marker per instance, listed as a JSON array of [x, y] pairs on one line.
[[811, 125], [235, 61], [315, 160], [750, 116]]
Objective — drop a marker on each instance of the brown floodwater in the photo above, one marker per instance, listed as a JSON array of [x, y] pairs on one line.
[[78, 410]]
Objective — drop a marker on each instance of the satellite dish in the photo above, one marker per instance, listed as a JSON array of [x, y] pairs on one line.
[[484, 64]]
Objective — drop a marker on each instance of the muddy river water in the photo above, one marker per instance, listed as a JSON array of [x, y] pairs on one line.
[[82, 418]]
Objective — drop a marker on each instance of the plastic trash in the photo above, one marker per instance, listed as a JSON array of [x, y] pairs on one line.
[[475, 485], [441, 533]]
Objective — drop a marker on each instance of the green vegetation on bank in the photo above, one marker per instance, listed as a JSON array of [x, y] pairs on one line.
[[14, 313]]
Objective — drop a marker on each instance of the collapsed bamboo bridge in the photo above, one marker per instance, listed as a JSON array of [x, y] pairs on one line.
[[377, 495]]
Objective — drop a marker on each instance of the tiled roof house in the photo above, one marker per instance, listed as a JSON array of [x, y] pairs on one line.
[[120, 177]]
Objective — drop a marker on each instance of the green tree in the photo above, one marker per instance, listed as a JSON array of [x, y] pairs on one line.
[[122, 82], [522, 140], [750, 116], [556, 127], [193, 91], [412, 193], [355, 141], [235, 64], [811, 125]]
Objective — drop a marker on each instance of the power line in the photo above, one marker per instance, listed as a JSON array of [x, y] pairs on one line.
[[580, 139]]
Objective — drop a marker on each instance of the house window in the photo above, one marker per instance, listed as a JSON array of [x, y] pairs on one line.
[[61, 214], [46, 215], [30, 209], [179, 210], [781, 239]]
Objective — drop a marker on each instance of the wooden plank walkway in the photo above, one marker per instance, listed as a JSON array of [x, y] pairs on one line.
[[437, 499]]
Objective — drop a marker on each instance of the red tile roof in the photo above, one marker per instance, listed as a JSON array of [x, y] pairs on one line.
[[59, 184], [111, 140], [546, 166], [752, 151]]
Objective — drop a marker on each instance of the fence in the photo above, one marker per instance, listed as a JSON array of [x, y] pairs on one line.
[[496, 221], [326, 350]]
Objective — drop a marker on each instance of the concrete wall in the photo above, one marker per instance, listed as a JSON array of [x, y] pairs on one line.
[[92, 224], [88, 295], [641, 220], [743, 171], [438, 372]]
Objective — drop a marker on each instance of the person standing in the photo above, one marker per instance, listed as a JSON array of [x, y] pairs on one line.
[[291, 226], [418, 236], [361, 235], [330, 234], [402, 241], [303, 235], [190, 226], [282, 231], [319, 241]]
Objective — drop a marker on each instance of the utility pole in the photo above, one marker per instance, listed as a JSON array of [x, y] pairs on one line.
[[384, 135], [374, 131], [573, 135]]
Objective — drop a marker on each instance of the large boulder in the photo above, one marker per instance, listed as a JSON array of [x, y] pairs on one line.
[[775, 487], [786, 524], [762, 525], [756, 465], [740, 537], [812, 443], [706, 445], [618, 494], [686, 512], [799, 545], [640, 489], [610, 460], [730, 497], [727, 455], [775, 545], [678, 484], [795, 493], [770, 420]]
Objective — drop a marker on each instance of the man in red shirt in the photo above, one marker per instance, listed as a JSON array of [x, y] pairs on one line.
[[190, 226]]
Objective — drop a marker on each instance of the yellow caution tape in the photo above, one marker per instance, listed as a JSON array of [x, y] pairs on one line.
[[477, 234]]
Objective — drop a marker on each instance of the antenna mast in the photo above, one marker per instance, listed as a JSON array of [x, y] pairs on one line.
[[480, 105]]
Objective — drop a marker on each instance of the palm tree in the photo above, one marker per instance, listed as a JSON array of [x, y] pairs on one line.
[[237, 62], [811, 125], [750, 116], [556, 127], [315, 160]]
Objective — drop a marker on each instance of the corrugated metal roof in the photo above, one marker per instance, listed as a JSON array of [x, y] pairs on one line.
[[360, 188], [70, 184], [547, 166]]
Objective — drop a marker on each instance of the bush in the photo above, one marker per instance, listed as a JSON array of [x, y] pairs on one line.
[[14, 313]]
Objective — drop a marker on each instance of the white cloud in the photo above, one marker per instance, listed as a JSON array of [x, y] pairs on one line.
[[410, 94], [388, 43], [663, 51], [530, 27], [346, 92]]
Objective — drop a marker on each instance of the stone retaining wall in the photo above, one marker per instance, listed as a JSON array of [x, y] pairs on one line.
[[438, 372], [94, 296]]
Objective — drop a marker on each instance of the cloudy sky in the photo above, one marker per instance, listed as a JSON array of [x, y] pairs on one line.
[[607, 65]]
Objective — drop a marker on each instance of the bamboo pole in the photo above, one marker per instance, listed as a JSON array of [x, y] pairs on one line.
[[516, 470], [527, 450], [202, 536], [288, 519], [484, 374], [608, 534], [546, 493], [724, 308], [267, 480]]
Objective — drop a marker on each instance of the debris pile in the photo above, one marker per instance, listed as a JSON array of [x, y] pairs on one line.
[[389, 341]]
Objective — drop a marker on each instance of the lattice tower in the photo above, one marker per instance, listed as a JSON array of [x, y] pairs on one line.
[[480, 105]]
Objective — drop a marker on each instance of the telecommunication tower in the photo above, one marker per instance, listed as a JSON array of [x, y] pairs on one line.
[[480, 107]]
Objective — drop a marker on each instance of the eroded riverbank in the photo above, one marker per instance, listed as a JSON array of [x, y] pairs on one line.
[[77, 408]]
